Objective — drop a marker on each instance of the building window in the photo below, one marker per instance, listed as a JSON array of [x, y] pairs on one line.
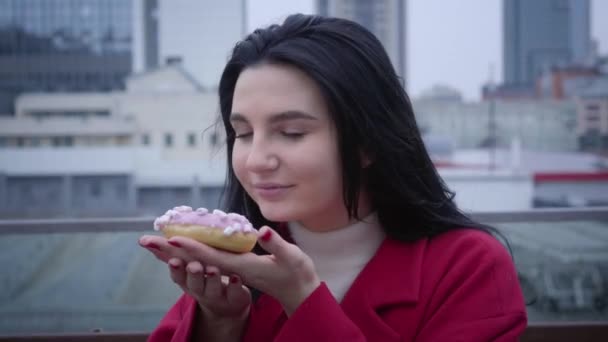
[[191, 139], [63, 141], [26, 190], [168, 140], [95, 189], [121, 191], [145, 139], [593, 117], [123, 140]]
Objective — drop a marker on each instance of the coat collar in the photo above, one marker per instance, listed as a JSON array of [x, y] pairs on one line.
[[392, 276]]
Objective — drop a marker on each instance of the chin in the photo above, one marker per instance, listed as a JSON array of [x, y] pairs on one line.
[[277, 213]]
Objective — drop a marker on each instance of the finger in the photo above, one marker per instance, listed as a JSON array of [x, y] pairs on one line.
[[195, 279], [226, 261], [162, 256], [213, 285], [236, 293], [149, 243], [157, 252], [177, 272], [274, 244], [154, 240], [156, 244]]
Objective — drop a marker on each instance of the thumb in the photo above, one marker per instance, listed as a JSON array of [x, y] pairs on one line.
[[273, 243]]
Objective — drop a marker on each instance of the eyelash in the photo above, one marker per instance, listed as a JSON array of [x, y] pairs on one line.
[[297, 135], [293, 136], [242, 136]]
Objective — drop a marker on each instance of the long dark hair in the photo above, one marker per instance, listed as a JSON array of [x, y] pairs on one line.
[[372, 114]]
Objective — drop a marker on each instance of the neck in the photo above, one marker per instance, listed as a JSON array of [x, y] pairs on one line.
[[329, 221], [339, 255]]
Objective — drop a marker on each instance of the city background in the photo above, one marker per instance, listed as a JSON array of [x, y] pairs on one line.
[[108, 110]]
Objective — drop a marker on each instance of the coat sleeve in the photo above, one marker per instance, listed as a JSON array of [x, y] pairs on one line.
[[178, 323], [306, 324], [476, 294]]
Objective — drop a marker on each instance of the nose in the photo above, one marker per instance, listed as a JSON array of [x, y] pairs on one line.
[[261, 157]]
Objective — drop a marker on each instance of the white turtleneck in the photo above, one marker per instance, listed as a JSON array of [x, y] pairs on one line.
[[340, 255]]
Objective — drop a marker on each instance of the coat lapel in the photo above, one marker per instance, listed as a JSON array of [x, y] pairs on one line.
[[392, 277]]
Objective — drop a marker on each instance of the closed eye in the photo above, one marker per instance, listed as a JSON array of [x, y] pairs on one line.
[[293, 135], [243, 135]]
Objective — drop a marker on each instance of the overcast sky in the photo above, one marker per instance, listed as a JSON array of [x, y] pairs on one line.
[[455, 43]]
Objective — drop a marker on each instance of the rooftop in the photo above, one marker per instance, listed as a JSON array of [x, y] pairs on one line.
[[79, 275]]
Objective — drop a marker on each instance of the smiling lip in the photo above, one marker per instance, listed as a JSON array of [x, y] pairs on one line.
[[271, 191]]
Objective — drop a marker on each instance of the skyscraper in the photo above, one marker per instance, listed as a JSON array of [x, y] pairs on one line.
[[385, 18], [56, 45], [145, 35], [541, 33]]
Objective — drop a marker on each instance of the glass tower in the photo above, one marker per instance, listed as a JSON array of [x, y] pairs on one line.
[[540, 34], [63, 45]]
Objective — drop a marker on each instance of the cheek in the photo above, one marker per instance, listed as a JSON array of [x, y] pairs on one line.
[[318, 167]]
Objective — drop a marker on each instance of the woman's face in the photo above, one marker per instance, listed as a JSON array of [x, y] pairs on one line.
[[285, 153]]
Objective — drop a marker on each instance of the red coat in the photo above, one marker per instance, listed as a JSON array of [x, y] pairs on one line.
[[459, 286]]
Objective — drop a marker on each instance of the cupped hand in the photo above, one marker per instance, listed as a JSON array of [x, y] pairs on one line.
[[287, 273], [219, 297]]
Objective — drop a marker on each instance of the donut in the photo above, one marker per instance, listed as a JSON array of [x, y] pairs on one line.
[[231, 232]]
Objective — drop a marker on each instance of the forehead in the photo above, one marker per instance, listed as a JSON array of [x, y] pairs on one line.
[[273, 88]]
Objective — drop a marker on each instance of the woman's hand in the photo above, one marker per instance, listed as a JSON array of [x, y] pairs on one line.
[[221, 300], [287, 273]]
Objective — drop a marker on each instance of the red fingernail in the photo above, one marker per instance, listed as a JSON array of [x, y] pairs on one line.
[[195, 272], [266, 236], [234, 279], [210, 274], [174, 266], [152, 245], [175, 244]]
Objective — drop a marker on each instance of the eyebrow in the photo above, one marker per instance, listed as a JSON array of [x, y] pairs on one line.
[[278, 117]]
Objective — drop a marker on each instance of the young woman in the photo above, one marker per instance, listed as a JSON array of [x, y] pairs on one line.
[[364, 241]]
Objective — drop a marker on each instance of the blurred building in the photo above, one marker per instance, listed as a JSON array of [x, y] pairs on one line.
[[145, 35], [538, 125], [132, 152], [540, 34], [116, 142], [565, 82], [514, 178], [387, 19], [441, 93], [93, 45], [587, 86], [164, 108], [59, 46], [508, 92], [592, 118]]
